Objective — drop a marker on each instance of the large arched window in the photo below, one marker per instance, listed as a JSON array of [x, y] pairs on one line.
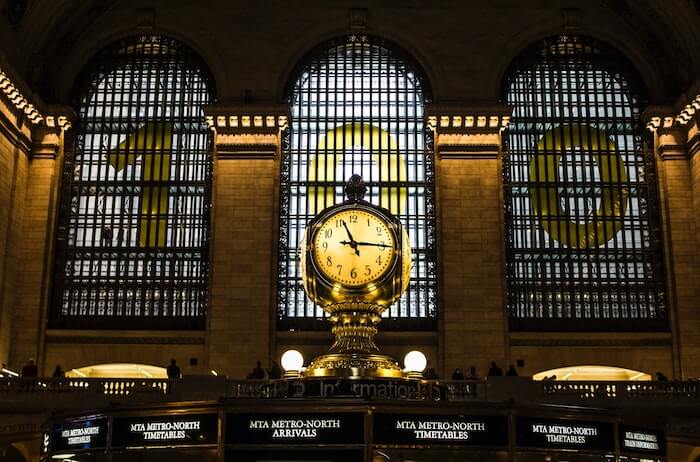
[[132, 249], [581, 207], [358, 107]]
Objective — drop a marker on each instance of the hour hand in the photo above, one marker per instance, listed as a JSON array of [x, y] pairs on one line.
[[352, 244], [348, 231]]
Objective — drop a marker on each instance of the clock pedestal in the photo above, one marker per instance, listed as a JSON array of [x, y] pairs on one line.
[[354, 353], [339, 238]]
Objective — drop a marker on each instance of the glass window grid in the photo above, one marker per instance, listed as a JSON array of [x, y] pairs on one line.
[[580, 84], [107, 275], [358, 80]]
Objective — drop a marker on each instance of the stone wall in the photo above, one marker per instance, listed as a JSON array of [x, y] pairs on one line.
[[464, 50]]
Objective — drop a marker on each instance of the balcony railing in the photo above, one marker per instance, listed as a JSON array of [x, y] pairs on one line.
[[75, 393]]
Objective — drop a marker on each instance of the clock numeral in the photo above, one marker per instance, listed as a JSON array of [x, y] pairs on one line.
[[379, 260], [325, 247], [329, 233], [368, 223], [329, 261], [381, 249], [338, 223], [340, 268], [379, 230], [368, 270], [353, 273], [353, 218]]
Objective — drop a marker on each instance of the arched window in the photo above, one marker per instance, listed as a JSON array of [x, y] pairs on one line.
[[358, 107], [581, 207], [132, 248]]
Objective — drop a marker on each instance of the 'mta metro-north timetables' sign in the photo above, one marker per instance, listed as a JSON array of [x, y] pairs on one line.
[[642, 440], [165, 430], [565, 434], [295, 428], [440, 429], [82, 434]]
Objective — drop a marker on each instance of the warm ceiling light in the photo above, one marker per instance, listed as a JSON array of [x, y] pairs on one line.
[[119, 371], [593, 372], [292, 360]]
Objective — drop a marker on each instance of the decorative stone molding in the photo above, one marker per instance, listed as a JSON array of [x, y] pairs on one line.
[[48, 137], [468, 132], [677, 128], [18, 99], [246, 131]]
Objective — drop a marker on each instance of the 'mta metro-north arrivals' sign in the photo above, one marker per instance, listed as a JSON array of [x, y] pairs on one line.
[[295, 428], [165, 430], [642, 440], [78, 434], [565, 434], [441, 429]]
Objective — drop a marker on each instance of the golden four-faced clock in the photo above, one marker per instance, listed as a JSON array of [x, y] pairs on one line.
[[355, 252]]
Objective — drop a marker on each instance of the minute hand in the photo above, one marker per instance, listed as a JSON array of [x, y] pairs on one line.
[[374, 244]]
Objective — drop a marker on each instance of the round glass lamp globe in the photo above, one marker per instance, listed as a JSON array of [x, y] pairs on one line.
[[415, 361], [292, 360]]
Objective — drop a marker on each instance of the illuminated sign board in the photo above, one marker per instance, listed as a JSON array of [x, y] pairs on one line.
[[440, 429], [74, 434], [642, 440], [167, 430], [294, 455], [295, 428], [565, 434]]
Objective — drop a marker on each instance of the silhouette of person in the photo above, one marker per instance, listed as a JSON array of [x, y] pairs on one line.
[[431, 374], [511, 372], [58, 372], [275, 371], [174, 370], [458, 374], [473, 375], [661, 377], [494, 370], [258, 372], [30, 369]]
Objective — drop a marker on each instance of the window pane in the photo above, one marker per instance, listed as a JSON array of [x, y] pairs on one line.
[[357, 107], [134, 221], [581, 204]]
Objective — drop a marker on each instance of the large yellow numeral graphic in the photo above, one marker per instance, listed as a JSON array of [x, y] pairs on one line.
[[545, 199], [152, 143], [329, 154]]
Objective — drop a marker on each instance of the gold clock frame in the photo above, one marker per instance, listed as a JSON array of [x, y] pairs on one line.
[[355, 311]]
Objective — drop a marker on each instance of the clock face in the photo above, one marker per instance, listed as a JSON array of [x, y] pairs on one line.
[[354, 248]]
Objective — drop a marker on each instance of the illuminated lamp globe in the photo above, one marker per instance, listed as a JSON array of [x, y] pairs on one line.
[[415, 362], [292, 361]]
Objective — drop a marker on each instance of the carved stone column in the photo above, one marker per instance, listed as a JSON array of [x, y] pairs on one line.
[[245, 197], [470, 230], [35, 244], [680, 231]]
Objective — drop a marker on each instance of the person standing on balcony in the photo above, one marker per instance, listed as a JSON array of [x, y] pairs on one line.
[[458, 374], [30, 370], [258, 372], [473, 374], [494, 370], [275, 371], [511, 372], [58, 373], [173, 370]]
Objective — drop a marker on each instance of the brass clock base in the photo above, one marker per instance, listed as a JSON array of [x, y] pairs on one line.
[[354, 365]]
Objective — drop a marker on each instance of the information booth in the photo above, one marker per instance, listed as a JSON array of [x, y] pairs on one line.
[[349, 430]]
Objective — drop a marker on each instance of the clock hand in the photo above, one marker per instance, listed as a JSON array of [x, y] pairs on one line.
[[373, 244], [353, 244]]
